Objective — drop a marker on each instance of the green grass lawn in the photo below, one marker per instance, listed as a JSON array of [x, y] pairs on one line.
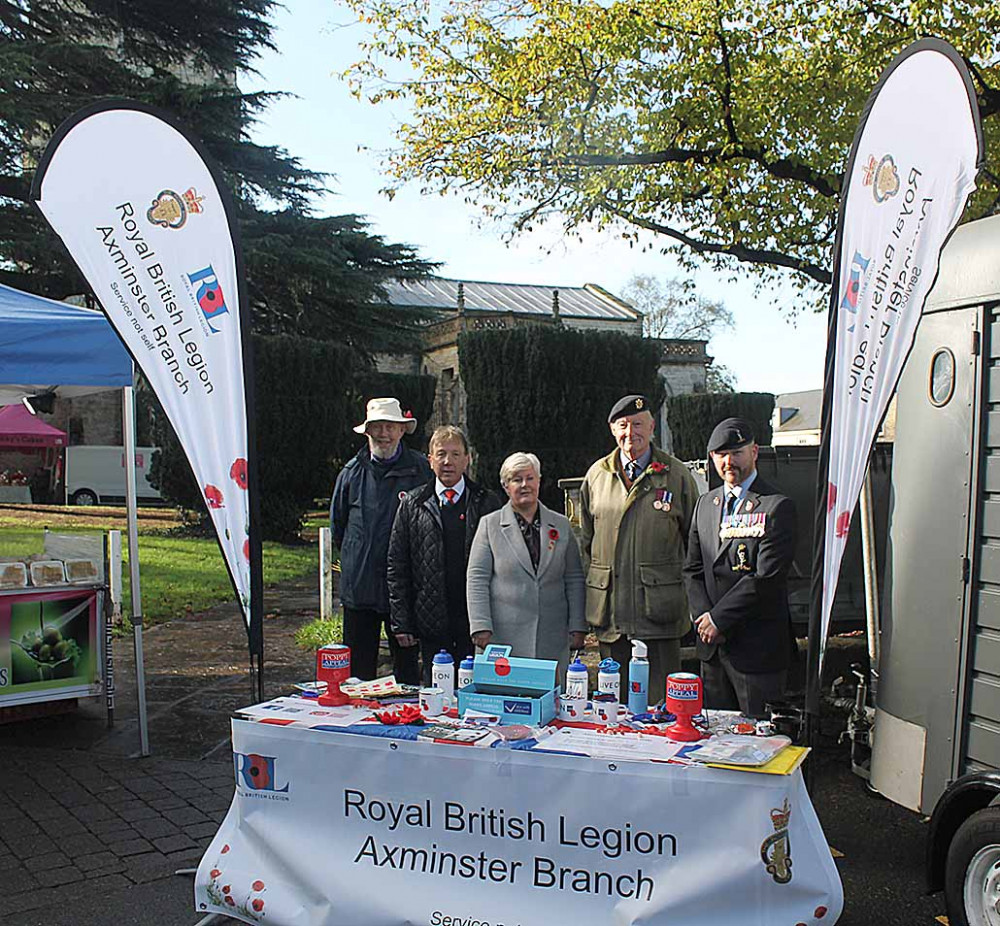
[[177, 573]]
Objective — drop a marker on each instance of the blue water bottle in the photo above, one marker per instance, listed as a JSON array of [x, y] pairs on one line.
[[465, 670], [638, 679]]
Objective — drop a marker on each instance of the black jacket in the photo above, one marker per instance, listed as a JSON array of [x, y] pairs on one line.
[[361, 512], [743, 581], [416, 573]]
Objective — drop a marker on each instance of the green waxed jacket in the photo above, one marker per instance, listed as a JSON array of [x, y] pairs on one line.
[[633, 550]]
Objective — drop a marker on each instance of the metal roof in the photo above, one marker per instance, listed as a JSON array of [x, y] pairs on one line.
[[798, 411], [970, 267], [587, 301]]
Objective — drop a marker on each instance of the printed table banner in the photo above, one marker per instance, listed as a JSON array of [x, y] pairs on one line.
[[48, 643], [911, 170], [331, 828], [143, 216]]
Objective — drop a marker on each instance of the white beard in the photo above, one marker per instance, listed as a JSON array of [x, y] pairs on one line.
[[381, 453]]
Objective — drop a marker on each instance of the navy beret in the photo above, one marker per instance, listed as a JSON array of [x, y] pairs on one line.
[[629, 405], [729, 434]]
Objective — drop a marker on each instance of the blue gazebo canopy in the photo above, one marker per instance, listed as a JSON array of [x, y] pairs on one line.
[[53, 346]]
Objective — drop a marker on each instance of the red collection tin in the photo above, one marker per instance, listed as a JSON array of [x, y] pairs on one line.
[[333, 666]]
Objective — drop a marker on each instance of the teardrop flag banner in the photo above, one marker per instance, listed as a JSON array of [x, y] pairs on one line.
[[911, 170], [146, 216]]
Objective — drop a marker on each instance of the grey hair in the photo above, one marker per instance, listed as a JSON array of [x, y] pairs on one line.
[[518, 461], [448, 432]]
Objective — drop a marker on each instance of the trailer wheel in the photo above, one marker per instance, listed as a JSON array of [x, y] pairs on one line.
[[83, 497], [972, 871]]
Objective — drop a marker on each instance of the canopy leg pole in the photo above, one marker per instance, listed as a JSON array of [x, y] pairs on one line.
[[128, 429], [873, 618]]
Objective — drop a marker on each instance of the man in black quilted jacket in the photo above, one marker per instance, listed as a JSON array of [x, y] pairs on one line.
[[429, 552]]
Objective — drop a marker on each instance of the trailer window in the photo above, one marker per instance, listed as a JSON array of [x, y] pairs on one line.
[[942, 377]]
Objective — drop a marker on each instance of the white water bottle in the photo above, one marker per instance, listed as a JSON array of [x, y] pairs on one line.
[[576, 680], [465, 670], [443, 675], [609, 678]]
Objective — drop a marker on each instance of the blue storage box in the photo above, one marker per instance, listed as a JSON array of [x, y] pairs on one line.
[[517, 690]]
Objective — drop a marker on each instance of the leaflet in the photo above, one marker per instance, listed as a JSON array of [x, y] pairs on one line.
[[633, 747]]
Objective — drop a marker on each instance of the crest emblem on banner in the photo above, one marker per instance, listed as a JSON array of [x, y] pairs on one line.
[[776, 850], [170, 210], [882, 177]]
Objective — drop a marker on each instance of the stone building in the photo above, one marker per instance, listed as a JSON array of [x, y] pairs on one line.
[[462, 305]]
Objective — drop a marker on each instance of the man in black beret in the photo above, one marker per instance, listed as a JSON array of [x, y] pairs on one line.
[[740, 549], [635, 511]]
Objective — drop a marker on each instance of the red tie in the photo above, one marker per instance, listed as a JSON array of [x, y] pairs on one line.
[[449, 496]]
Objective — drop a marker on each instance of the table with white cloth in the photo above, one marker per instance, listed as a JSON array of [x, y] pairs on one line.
[[330, 826]]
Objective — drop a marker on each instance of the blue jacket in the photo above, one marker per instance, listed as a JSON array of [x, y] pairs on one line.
[[361, 513]]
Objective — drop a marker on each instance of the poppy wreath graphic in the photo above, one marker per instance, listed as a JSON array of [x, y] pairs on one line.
[[224, 892], [238, 472]]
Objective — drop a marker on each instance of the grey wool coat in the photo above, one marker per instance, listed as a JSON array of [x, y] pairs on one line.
[[532, 613]]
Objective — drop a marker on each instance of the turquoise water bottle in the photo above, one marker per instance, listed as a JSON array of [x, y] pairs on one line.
[[638, 679]]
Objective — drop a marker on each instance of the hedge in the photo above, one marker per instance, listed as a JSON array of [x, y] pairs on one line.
[[548, 390], [692, 418], [309, 395]]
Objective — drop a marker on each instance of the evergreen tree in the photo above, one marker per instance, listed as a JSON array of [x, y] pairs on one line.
[[305, 274]]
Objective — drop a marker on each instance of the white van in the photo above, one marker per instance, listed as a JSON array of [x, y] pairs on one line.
[[96, 475]]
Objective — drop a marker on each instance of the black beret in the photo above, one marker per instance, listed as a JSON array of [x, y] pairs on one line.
[[729, 434], [629, 405]]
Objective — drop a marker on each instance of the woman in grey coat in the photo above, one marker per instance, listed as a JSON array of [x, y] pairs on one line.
[[525, 585]]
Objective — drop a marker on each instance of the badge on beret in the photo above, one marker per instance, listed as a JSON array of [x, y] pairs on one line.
[[627, 405]]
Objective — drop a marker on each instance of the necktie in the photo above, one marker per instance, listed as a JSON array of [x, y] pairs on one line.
[[449, 496], [632, 470], [730, 504]]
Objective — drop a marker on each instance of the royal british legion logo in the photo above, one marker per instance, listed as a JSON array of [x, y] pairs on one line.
[[170, 210], [776, 849], [211, 301], [258, 774], [859, 264], [882, 177]]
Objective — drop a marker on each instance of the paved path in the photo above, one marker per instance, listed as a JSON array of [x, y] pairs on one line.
[[91, 833]]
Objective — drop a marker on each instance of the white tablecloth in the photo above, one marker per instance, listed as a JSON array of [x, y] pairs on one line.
[[331, 828]]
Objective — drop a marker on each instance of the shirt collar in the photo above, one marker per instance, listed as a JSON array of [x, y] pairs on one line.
[[740, 491], [643, 461], [439, 488]]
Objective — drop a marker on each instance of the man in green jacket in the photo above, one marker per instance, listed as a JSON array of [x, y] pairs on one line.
[[636, 508]]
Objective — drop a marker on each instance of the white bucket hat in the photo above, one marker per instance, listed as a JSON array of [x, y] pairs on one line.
[[386, 410]]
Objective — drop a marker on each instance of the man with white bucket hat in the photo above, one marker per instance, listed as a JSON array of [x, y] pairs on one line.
[[364, 502]]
